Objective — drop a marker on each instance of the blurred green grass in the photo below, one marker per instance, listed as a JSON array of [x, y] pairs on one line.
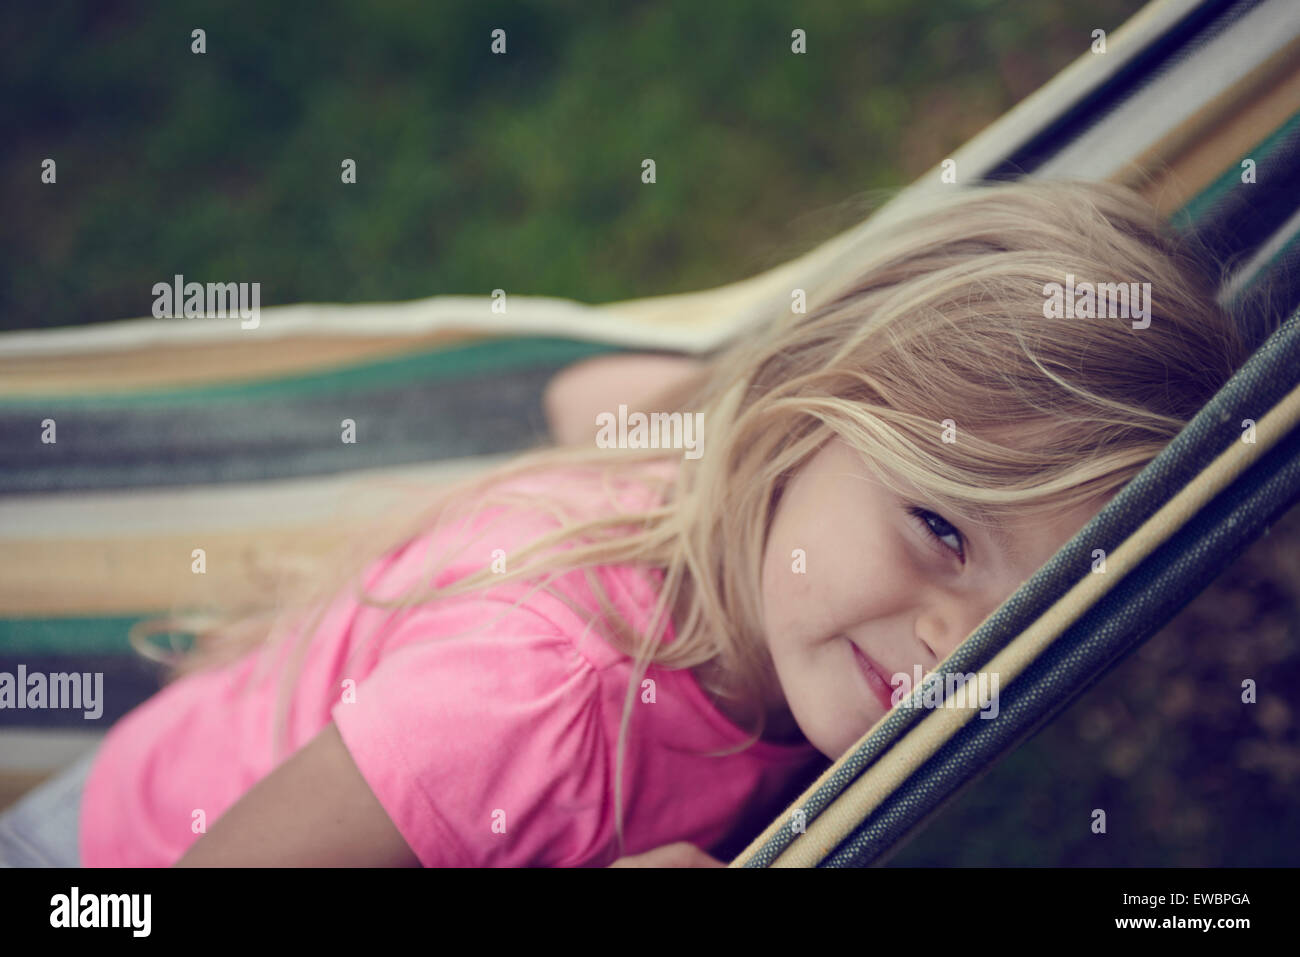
[[523, 172], [478, 171]]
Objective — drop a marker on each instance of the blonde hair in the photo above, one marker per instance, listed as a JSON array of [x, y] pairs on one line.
[[937, 314]]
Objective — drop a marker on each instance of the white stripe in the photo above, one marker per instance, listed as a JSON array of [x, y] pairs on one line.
[[527, 315], [1175, 95], [44, 749], [1285, 233], [1072, 85]]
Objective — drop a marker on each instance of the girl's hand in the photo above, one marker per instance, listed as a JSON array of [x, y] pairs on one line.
[[680, 854]]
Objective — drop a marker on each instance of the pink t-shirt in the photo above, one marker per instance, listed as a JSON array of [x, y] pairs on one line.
[[491, 749]]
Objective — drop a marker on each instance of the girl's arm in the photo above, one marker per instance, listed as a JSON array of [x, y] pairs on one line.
[[314, 810], [642, 382]]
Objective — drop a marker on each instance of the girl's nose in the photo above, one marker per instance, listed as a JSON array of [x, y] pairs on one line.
[[933, 630], [944, 618]]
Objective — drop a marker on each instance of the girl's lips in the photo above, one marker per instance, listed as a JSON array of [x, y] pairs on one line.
[[874, 678]]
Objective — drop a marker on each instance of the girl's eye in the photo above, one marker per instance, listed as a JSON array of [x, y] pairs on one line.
[[939, 529]]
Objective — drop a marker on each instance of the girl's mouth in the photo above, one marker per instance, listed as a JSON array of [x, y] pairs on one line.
[[874, 678]]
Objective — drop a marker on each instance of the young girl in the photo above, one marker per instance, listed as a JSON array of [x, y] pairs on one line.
[[599, 652]]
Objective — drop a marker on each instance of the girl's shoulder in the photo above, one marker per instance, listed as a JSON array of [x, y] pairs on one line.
[[491, 531]]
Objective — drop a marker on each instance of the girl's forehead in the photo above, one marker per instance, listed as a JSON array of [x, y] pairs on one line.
[[1035, 540]]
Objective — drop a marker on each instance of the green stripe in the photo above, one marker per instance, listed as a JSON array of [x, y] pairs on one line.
[[496, 355], [73, 636], [1200, 204]]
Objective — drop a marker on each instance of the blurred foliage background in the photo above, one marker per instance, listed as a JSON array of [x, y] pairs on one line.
[[477, 171], [523, 172]]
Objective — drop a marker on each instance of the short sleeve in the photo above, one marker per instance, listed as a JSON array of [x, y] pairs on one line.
[[486, 749]]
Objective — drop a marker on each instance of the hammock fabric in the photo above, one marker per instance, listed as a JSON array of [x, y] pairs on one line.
[[175, 435]]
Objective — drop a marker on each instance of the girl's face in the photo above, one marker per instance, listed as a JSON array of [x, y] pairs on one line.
[[884, 589]]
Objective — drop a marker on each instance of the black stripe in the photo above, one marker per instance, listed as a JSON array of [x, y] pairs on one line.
[[128, 680], [242, 440]]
